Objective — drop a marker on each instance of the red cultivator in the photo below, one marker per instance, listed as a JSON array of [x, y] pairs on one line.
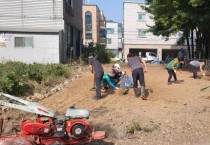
[[48, 129]]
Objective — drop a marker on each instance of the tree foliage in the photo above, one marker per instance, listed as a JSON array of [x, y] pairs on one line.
[[103, 55], [186, 16]]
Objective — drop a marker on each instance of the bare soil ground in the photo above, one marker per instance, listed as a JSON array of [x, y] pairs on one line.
[[176, 114]]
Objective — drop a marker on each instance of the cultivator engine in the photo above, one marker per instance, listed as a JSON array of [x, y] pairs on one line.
[[47, 128]]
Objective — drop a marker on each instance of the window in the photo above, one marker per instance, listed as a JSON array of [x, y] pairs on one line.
[[153, 54], [24, 42], [88, 25], [69, 7], [88, 18], [102, 33], [119, 29], [141, 17], [110, 30], [88, 35], [142, 33], [69, 3], [109, 41]]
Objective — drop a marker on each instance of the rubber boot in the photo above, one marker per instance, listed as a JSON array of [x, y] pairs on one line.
[[195, 75], [143, 93], [136, 92]]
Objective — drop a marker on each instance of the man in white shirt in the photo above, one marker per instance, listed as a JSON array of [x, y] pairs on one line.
[[195, 66]]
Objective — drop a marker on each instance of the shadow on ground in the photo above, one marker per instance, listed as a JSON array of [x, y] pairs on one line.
[[148, 91], [99, 111], [100, 142], [178, 82], [109, 131]]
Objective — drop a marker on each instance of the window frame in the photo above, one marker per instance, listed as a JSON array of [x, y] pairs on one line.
[[102, 33], [23, 42], [88, 14], [112, 30], [69, 7], [143, 18], [141, 36], [109, 41]]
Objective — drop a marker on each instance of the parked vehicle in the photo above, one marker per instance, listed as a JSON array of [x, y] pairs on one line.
[[150, 56]]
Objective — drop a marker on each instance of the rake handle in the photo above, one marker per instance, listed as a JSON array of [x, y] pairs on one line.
[[202, 89]]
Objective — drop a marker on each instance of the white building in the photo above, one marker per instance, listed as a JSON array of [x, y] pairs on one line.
[[138, 41], [40, 31], [114, 38]]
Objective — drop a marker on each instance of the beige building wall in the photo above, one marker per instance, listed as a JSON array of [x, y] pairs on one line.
[[95, 23]]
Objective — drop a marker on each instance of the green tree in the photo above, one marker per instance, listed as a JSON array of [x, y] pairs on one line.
[[173, 16], [102, 54]]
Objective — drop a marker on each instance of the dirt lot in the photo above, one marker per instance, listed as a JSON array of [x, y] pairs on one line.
[[177, 114]]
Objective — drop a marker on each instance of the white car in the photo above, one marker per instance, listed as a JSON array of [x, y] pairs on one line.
[[150, 56]]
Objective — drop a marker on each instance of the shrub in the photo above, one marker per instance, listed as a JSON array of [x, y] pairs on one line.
[[103, 55], [35, 72], [58, 70], [20, 79], [14, 77]]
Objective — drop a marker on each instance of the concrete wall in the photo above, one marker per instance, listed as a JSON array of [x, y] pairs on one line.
[[73, 19], [114, 37], [23, 14], [45, 49], [43, 19]]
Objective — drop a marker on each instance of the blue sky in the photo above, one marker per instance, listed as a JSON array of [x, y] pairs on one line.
[[113, 9]]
